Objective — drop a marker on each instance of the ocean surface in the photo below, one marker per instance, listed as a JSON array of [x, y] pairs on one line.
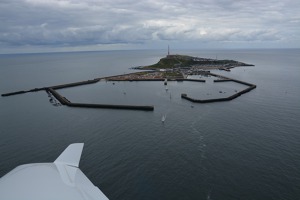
[[247, 148]]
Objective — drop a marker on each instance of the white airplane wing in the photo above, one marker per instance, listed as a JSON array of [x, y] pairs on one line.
[[61, 180]]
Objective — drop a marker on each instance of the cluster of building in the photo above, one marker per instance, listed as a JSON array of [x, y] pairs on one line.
[[140, 76]]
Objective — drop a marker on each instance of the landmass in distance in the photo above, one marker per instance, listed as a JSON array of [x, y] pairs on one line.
[[180, 66]]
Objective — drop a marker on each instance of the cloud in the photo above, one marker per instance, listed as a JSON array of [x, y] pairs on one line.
[[63, 23]]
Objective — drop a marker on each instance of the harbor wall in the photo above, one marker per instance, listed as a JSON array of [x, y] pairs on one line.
[[109, 106], [158, 79], [66, 102], [56, 87], [13, 93], [195, 80], [60, 98], [136, 79], [222, 80], [184, 96], [22, 92]]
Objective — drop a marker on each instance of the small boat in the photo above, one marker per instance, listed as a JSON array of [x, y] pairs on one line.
[[163, 118], [166, 81]]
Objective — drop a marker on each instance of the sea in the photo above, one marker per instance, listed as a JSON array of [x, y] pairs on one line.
[[247, 148]]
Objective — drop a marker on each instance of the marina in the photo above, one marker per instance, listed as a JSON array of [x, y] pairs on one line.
[[129, 77]]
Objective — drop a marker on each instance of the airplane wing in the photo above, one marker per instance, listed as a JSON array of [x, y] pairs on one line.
[[61, 180]]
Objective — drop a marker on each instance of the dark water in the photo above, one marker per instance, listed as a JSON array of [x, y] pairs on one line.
[[248, 148]]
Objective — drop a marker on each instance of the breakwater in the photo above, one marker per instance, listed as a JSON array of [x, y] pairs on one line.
[[156, 79], [195, 80], [184, 96], [109, 106], [223, 79], [119, 79], [13, 93], [56, 87], [65, 101], [22, 92], [61, 99]]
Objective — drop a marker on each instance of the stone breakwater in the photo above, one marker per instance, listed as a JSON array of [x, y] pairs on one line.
[[66, 102], [223, 79]]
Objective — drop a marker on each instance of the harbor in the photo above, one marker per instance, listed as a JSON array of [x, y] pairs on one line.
[[229, 98], [195, 142], [53, 90]]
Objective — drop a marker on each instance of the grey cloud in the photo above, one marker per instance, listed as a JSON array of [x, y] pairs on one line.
[[88, 22]]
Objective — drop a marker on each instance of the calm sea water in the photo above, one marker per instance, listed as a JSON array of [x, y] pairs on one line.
[[248, 148]]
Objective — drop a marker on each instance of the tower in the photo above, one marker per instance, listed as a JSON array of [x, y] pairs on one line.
[[168, 50]]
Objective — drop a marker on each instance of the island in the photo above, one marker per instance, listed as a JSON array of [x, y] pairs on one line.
[[169, 68], [184, 61], [181, 66]]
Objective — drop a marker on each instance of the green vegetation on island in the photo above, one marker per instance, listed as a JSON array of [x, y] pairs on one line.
[[183, 61]]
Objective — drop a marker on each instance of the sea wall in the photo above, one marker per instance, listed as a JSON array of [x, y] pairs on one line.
[[195, 80], [13, 93], [22, 92], [66, 102], [119, 79], [158, 79], [184, 96], [60, 98], [110, 106], [56, 87], [222, 80]]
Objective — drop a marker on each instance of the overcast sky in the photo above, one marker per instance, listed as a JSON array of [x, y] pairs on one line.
[[71, 25]]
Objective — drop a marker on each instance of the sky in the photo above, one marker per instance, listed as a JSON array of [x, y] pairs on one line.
[[88, 25]]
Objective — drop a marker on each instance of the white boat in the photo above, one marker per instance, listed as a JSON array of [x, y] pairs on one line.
[[163, 118], [166, 81]]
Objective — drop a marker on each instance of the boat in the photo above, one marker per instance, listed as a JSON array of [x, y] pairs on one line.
[[163, 118], [166, 81]]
